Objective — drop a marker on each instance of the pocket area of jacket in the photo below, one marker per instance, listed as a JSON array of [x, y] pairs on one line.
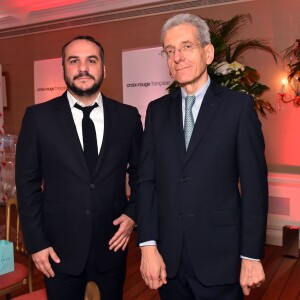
[[53, 208], [226, 217]]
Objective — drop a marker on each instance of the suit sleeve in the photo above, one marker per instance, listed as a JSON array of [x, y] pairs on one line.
[[29, 185], [133, 163], [253, 180], [147, 220]]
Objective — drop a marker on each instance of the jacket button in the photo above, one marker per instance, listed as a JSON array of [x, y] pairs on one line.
[[180, 216], [92, 186], [87, 212]]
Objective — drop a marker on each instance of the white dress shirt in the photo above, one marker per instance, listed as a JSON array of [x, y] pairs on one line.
[[97, 116]]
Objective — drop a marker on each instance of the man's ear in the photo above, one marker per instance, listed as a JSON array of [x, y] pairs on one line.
[[210, 52], [104, 72]]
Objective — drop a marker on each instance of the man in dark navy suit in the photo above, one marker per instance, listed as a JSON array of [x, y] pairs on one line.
[[70, 176], [200, 236]]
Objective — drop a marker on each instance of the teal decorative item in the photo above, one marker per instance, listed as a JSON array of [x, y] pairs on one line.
[[6, 257]]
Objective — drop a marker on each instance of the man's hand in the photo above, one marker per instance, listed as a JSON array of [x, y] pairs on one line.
[[153, 268], [252, 275], [41, 260], [121, 237]]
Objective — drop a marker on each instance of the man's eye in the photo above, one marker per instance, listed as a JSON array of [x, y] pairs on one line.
[[73, 61], [92, 61], [187, 47], [169, 51]]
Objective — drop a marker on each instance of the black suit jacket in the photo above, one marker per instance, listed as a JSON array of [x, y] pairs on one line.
[[194, 195], [72, 203]]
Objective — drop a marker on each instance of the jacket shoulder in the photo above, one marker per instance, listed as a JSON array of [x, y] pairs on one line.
[[47, 104], [230, 93], [119, 105], [165, 99]]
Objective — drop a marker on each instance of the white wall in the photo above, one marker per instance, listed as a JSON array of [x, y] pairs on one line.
[[284, 205]]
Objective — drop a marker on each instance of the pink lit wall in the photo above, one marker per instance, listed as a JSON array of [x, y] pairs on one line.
[[275, 20]]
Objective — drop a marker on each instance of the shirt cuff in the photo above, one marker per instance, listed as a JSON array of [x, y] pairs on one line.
[[148, 243], [249, 258]]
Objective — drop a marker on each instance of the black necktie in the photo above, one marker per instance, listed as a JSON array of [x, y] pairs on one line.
[[89, 137]]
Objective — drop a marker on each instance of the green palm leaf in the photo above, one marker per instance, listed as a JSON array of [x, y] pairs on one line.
[[243, 45], [292, 55], [229, 49]]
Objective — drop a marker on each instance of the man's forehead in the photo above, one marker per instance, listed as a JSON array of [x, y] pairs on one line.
[[82, 48], [181, 34], [82, 44]]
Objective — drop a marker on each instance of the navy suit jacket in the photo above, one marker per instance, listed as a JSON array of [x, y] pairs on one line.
[[194, 195], [73, 205]]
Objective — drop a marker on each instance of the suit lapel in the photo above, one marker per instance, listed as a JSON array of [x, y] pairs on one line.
[[207, 110], [110, 123], [176, 123], [67, 125]]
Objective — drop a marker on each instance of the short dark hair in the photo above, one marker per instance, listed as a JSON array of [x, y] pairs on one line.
[[87, 38]]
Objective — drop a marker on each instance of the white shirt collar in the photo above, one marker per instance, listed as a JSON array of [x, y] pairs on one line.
[[72, 100], [201, 91]]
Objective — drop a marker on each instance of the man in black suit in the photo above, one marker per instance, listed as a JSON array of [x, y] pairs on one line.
[[200, 237], [74, 211]]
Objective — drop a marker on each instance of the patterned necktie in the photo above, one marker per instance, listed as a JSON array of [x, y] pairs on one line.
[[188, 120], [89, 136]]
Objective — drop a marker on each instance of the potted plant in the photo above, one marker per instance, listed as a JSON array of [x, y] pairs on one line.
[[292, 55], [226, 69]]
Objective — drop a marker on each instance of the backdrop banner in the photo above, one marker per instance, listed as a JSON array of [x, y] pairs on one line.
[[48, 79], [145, 77]]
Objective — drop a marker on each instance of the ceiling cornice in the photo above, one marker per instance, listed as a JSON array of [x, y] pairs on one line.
[[113, 15]]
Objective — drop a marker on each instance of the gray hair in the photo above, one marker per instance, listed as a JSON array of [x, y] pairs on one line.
[[203, 34]]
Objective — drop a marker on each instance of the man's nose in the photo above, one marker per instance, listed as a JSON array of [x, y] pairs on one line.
[[178, 56], [83, 67]]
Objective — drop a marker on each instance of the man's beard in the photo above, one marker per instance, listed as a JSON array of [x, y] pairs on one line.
[[86, 92]]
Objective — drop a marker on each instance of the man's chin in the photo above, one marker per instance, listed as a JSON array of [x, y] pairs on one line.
[[81, 92], [186, 80], [182, 78], [83, 89], [183, 82]]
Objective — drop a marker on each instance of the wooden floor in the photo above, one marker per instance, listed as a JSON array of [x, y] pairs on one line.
[[282, 275]]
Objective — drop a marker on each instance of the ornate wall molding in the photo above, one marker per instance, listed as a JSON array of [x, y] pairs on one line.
[[109, 16]]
